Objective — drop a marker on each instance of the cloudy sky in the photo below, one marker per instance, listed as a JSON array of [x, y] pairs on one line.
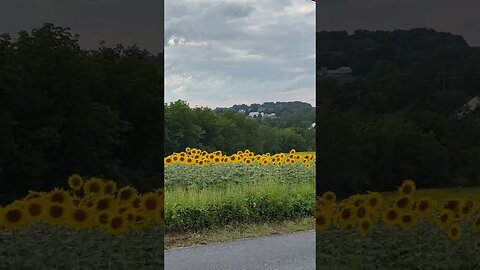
[[113, 21], [224, 52], [455, 16]]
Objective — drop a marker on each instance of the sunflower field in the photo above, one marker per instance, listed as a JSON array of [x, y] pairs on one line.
[[92, 225], [211, 189], [408, 229]]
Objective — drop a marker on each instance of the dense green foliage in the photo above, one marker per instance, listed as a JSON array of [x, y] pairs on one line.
[[393, 121], [64, 110], [229, 131]]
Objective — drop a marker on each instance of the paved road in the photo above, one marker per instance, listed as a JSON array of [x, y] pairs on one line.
[[282, 252]]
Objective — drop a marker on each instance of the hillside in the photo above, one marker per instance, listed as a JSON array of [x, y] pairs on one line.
[[390, 105], [282, 114]]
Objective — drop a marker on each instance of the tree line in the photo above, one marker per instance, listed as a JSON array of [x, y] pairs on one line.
[[392, 122], [64, 110], [229, 131]]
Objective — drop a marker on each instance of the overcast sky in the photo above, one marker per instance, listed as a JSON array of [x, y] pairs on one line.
[[219, 53], [114, 21], [455, 16]]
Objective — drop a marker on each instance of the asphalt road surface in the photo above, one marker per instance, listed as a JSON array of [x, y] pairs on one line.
[[290, 252]]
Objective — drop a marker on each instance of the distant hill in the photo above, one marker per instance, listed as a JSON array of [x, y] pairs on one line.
[[283, 114]]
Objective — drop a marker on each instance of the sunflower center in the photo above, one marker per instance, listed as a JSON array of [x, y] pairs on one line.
[[116, 223], [365, 225], [102, 204], [321, 220], [361, 212], [150, 204], [56, 211], [125, 195], [108, 189], [94, 188], [80, 215], [13, 216], [454, 231], [402, 202], [346, 213], [406, 219], [34, 210], [373, 202], [407, 189], [423, 206], [58, 198]]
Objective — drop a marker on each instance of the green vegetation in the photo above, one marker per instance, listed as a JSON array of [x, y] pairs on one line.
[[230, 232], [392, 121], [217, 206], [229, 130], [41, 246]]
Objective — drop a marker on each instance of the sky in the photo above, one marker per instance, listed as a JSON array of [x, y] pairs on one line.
[[455, 16], [219, 53], [113, 21]]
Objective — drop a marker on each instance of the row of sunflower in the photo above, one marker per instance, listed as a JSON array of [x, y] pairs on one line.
[[193, 156], [364, 212], [95, 203]]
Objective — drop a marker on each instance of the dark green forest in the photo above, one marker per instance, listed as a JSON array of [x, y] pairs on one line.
[[228, 130], [64, 110], [392, 119]]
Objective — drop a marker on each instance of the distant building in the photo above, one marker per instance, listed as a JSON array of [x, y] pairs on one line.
[[253, 114]]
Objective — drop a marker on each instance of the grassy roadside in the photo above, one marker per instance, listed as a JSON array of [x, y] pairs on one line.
[[237, 231]]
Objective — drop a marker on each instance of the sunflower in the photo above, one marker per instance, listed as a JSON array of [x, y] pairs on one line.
[[59, 196], [105, 203], [404, 203], [13, 217], [329, 196], [93, 186], [150, 204], [55, 213], [80, 217], [365, 226], [391, 217], [361, 212], [102, 219], [117, 224], [445, 219], [110, 187], [407, 188], [455, 232], [126, 194], [374, 200], [35, 209], [75, 182], [425, 207], [406, 220], [323, 220], [168, 160]]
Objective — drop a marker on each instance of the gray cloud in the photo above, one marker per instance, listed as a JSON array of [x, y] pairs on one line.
[[114, 21], [458, 17], [230, 52]]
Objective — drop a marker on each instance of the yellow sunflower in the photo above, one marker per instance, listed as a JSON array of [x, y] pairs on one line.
[[117, 224], [406, 220], [60, 196], [455, 232], [323, 220], [445, 219], [374, 200], [126, 194], [403, 203], [407, 188], [35, 209], [80, 217], [391, 217], [365, 226], [329, 196], [13, 217], [75, 182], [150, 204], [56, 213], [93, 186], [109, 188], [425, 207]]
